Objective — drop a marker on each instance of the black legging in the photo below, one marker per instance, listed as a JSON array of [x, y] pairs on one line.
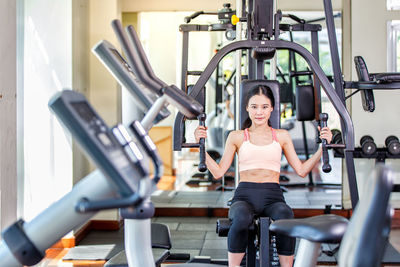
[[260, 199]]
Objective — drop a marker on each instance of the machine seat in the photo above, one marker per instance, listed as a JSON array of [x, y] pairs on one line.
[[324, 228], [160, 236], [223, 226]]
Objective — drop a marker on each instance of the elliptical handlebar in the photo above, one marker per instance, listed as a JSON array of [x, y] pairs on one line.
[[134, 38], [141, 68], [134, 59]]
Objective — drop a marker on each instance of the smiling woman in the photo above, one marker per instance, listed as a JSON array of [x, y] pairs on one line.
[[259, 148], [259, 103]]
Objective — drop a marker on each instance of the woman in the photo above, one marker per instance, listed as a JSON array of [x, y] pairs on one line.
[[259, 148]]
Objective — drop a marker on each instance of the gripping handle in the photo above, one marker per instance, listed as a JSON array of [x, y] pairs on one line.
[[150, 148], [194, 15], [202, 165], [326, 167]]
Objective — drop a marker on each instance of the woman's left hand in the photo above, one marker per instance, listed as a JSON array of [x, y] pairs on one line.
[[325, 133]]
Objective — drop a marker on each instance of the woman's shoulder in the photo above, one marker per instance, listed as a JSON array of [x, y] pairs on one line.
[[282, 134], [236, 133], [281, 131], [236, 136]]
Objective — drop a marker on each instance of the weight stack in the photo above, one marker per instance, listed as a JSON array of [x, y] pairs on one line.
[[273, 252]]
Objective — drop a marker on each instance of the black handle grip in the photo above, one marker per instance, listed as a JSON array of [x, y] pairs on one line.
[[202, 165], [150, 148], [194, 15], [326, 167]]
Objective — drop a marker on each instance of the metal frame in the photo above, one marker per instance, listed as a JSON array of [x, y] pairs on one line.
[[335, 94], [332, 94], [339, 86], [186, 29], [314, 29]]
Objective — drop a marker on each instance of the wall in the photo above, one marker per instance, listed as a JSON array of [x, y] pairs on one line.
[[8, 116], [80, 75], [104, 92]]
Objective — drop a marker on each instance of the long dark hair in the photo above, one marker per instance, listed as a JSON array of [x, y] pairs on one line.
[[258, 90]]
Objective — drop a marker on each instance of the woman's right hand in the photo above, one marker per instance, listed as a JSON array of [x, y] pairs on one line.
[[200, 132]]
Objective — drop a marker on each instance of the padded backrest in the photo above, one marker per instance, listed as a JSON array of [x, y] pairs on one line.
[[246, 86], [305, 108], [367, 96], [361, 68], [286, 93], [367, 233]]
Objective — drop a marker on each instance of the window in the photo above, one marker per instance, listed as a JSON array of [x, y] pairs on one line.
[[393, 4], [394, 46]]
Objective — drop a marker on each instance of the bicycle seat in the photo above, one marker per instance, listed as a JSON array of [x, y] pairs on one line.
[[323, 228]]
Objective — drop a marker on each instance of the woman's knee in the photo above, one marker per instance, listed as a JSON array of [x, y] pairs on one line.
[[281, 211], [241, 214]]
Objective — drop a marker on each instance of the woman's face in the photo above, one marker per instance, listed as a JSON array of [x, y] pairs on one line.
[[259, 109]]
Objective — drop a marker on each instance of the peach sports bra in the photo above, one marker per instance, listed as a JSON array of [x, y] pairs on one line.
[[266, 157]]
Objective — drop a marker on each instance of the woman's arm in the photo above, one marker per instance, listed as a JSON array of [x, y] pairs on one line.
[[302, 168], [218, 169]]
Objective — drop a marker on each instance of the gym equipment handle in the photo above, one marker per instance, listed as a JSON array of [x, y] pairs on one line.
[[202, 165], [150, 148], [326, 167], [335, 146], [87, 205]]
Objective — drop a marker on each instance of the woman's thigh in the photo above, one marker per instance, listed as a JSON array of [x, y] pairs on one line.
[[278, 211]]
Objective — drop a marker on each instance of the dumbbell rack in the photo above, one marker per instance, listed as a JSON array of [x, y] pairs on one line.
[[380, 156]]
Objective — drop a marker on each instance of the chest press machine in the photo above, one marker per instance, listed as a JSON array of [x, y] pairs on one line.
[[263, 29]]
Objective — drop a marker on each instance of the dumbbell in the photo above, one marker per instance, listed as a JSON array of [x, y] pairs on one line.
[[368, 146], [392, 144]]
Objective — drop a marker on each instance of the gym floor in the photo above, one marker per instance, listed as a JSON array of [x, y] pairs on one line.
[[196, 235], [205, 238]]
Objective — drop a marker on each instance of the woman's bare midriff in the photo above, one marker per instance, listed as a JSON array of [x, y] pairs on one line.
[[259, 176]]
